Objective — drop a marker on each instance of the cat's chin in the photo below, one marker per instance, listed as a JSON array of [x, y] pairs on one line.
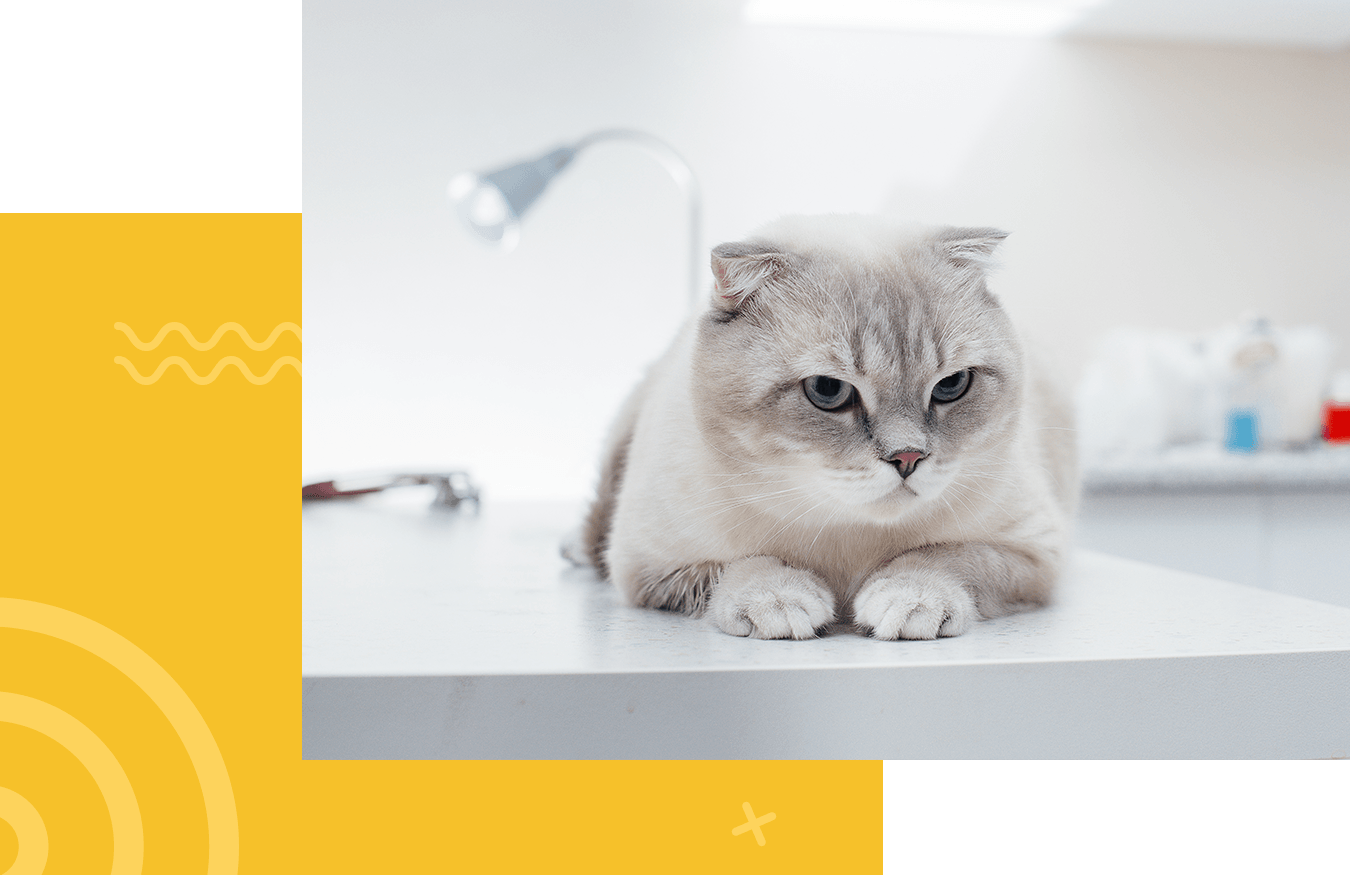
[[879, 498], [893, 506], [896, 502]]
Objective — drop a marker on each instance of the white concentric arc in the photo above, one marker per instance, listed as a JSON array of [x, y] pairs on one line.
[[222, 818]]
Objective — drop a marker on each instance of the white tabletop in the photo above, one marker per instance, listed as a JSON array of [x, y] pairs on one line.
[[407, 608]]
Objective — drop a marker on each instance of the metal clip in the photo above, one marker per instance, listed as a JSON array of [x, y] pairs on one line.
[[452, 487]]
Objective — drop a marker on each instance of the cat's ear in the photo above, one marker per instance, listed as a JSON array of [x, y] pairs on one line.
[[970, 247], [741, 269]]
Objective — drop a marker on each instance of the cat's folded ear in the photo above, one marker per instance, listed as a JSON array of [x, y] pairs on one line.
[[970, 247], [741, 269]]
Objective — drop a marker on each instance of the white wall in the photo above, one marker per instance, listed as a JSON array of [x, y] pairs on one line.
[[1157, 185]]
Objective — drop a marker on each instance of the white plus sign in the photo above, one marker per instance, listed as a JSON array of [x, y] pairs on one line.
[[753, 823]]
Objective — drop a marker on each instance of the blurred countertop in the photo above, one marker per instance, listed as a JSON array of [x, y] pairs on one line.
[[1210, 466]]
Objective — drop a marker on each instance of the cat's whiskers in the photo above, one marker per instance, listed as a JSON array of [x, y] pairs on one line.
[[746, 501], [999, 471], [745, 492], [955, 516], [759, 517], [851, 481], [785, 526], [973, 514], [824, 526], [986, 449], [986, 474], [742, 483], [1008, 466], [970, 487], [738, 500], [988, 498]]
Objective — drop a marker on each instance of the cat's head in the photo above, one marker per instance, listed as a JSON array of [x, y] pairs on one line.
[[852, 365]]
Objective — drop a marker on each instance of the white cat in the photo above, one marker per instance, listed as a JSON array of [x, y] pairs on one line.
[[847, 433]]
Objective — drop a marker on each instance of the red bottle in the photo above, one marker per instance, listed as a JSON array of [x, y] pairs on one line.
[[1336, 421]]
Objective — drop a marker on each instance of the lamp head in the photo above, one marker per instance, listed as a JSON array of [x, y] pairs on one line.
[[491, 204]]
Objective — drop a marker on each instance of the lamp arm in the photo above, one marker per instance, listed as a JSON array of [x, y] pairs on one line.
[[683, 175]]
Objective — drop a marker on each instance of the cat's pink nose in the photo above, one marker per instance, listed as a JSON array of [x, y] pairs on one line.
[[906, 460]]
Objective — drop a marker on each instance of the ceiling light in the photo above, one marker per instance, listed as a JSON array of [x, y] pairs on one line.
[[983, 17]]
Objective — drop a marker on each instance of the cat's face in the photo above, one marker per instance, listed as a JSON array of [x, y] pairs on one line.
[[853, 371]]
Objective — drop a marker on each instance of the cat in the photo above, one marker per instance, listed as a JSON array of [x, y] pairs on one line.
[[847, 433]]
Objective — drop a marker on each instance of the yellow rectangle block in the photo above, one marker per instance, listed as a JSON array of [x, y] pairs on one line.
[[152, 379]]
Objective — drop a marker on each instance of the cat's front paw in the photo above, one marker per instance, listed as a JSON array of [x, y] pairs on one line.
[[916, 605], [763, 598]]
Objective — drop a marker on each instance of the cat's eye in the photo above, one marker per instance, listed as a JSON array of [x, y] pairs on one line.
[[827, 393], [950, 388]]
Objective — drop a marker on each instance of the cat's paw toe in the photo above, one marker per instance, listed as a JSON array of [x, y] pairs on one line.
[[784, 604], [916, 607]]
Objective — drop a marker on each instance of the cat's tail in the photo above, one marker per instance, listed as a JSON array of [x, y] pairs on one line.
[[590, 546], [594, 540]]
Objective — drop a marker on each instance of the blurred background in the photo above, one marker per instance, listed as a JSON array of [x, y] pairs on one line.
[[1175, 169]]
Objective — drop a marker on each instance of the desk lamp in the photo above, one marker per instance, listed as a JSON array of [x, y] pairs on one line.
[[492, 203]]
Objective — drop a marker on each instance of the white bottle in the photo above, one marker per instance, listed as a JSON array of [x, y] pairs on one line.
[[1252, 412]]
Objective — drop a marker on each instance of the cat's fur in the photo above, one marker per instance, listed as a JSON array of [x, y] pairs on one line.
[[725, 490]]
